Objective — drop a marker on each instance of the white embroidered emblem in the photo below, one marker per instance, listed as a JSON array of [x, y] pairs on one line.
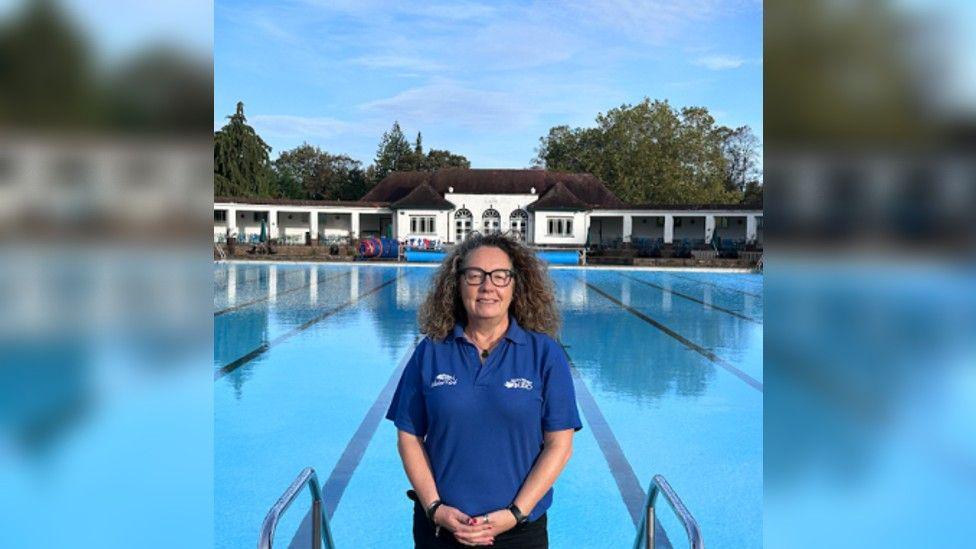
[[443, 379], [518, 383]]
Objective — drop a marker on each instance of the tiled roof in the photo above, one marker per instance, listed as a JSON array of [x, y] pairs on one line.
[[584, 187], [422, 197], [558, 197], [296, 202]]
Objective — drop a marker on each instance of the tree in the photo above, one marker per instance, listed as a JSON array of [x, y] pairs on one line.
[[741, 150], [646, 153], [47, 74], [393, 154], [320, 175], [241, 165], [437, 159]]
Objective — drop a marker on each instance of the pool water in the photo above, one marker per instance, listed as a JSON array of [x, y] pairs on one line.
[[668, 369]]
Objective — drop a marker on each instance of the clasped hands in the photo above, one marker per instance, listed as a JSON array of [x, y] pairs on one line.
[[479, 530]]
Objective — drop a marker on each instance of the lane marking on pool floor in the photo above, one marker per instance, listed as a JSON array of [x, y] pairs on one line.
[[623, 473], [690, 298], [341, 474], [719, 286], [318, 280], [265, 346], [335, 486], [712, 357]]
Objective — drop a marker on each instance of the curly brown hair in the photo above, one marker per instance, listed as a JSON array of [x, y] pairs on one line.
[[533, 299]]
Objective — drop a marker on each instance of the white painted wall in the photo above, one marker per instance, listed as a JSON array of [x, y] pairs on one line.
[[294, 228], [402, 224], [578, 237], [692, 227], [505, 204]]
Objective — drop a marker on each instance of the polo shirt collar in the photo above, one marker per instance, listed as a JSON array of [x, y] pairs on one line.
[[515, 333]]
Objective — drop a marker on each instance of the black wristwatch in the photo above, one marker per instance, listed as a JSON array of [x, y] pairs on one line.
[[432, 509], [519, 517]]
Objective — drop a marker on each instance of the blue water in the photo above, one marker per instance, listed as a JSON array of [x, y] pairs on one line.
[[673, 361]]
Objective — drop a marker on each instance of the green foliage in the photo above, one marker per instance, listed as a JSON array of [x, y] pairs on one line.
[[393, 154], [648, 153], [241, 165], [319, 175], [437, 159]]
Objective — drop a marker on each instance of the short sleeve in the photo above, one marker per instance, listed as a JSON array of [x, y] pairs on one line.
[[559, 410], [408, 410]]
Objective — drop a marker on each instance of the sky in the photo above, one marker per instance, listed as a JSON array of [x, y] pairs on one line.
[[482, 79]]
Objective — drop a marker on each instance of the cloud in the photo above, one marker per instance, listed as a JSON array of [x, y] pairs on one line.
[[447, 102], [722, 62], [397, 62], [303, 127]]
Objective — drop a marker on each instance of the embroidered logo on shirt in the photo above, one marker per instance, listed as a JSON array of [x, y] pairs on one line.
[[443, 379], [518, 383]]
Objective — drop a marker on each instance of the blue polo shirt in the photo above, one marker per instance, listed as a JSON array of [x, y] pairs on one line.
[[483, 424]]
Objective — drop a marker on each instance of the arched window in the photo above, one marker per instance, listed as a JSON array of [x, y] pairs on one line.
[[492, 221], [462, 223], [520, 222]]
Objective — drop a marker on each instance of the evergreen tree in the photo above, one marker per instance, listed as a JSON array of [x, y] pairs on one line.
[[241, 165], [393, 154]]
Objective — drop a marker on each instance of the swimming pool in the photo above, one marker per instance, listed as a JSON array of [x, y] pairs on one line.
[[668, 369]]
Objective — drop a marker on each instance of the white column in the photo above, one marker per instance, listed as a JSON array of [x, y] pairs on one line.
[[273, 223], [231, 285], [628, 227], [313, 285], [354, 284], [232, 221], [272, 283], [709, 228], [750, 228], [668, 229], [313, 224], [354, 224]]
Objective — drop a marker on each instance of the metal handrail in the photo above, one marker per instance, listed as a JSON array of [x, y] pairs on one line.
[[320, 526], [645, 530]]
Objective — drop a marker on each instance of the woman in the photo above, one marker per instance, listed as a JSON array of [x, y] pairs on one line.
[[485, 410]]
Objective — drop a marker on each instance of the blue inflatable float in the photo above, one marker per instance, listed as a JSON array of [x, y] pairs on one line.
[[552, 257], [379, 248]]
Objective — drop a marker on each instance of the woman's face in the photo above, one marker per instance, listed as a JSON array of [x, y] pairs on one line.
[[486, 301]]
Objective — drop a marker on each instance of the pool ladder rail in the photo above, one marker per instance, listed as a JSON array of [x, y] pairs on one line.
[[646, 529], [322, 534], [320, 524]]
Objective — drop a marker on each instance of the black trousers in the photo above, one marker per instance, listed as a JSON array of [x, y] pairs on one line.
[[530, 535]]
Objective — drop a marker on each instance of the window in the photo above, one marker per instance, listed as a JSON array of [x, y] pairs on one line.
[[220, 216], [723, 222], [462, 223], [260, 216], [422, 224], [519, 221], [492, 221], [560, 226]]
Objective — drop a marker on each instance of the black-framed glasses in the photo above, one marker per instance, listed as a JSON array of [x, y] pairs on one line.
[[475, 276]]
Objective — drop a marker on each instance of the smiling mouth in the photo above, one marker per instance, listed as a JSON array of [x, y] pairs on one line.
[[487, 301]]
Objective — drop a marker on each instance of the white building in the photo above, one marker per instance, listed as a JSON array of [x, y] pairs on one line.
[[544, 209]]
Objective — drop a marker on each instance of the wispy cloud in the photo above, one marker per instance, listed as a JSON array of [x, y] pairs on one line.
[[387, 61], [445, 102], [722, 62], [290, 127]]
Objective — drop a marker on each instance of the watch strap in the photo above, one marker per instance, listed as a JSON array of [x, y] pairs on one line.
[[519, 517]]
